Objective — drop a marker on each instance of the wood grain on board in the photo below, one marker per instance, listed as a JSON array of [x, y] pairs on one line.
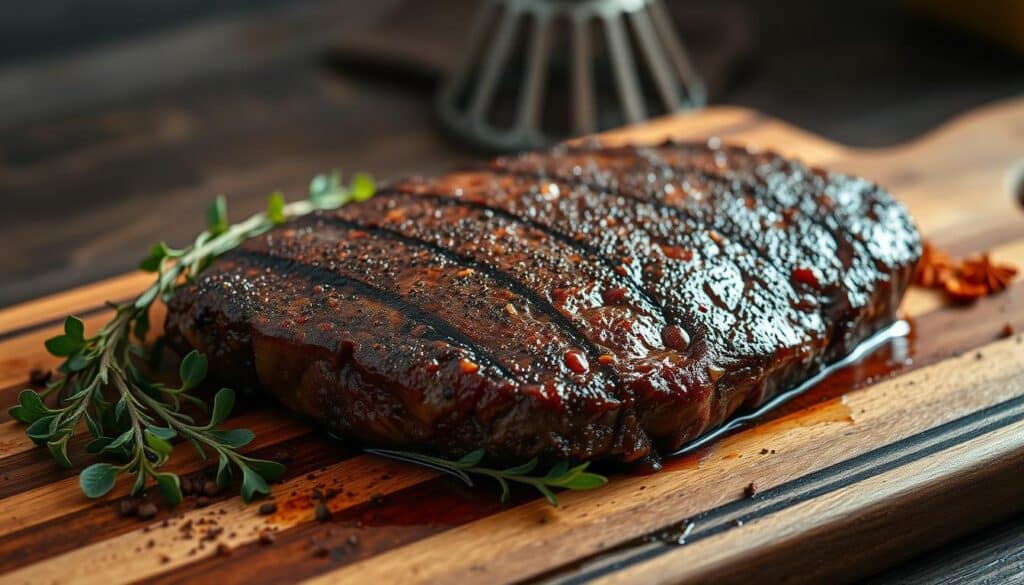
[[908, 450]]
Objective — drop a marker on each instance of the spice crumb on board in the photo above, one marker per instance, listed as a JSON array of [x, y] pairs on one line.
[[322, 512], [1007, 330], [39, 376], [965, 281], [750, 491], [267, 508]]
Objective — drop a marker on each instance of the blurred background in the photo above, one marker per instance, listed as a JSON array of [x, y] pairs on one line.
[[121, 119]]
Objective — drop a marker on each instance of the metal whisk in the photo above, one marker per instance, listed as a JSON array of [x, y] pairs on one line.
[[538, 71]]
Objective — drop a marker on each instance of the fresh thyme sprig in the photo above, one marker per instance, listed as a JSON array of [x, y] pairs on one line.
[[134, 419], [559, 476]]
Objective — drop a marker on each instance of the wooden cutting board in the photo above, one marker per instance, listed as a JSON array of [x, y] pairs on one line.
[[917, 445]]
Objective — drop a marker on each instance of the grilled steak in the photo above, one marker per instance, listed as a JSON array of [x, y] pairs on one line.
[[586, 302]]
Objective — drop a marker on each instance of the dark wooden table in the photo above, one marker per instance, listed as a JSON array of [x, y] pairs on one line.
[[122, 137]]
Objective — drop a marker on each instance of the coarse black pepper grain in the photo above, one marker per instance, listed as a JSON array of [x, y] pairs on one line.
[[321, 511], [267, 537], [39, 376]]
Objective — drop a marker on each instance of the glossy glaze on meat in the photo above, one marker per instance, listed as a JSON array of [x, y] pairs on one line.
[[585, 301]]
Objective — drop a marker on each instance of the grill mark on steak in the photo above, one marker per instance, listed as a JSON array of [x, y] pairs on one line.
[[315, 274], [681, 213], [468, 301], [547, 229], [514, 284]]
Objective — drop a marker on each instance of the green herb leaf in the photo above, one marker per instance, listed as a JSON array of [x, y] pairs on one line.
[[268, 470], [162, 432], [252, 484], [275, 207], [585, 481], [18, 414], [506, 491], [74, 328], [472, 459], [362, 187], [524, 469], [96, 445], [40, 431], [223, 471], [170, 487], [120, 408], [548, 494], [157, 444], [140, 482], [63, 345], [217, 216], [223, 402], [157, 253], [76, 362], [558, 469], [59, 449], [94, 428], [97, 479], [193, 369], [141, 327], [323, 186], [120, 441], [235, 438], [30, 407]]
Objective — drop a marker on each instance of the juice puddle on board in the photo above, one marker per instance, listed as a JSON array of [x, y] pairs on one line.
[[882, 355]]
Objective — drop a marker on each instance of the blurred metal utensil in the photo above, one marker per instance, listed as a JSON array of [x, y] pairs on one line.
[[501, 97]]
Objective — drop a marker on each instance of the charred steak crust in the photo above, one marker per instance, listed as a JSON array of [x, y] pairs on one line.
[[587, 301]]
